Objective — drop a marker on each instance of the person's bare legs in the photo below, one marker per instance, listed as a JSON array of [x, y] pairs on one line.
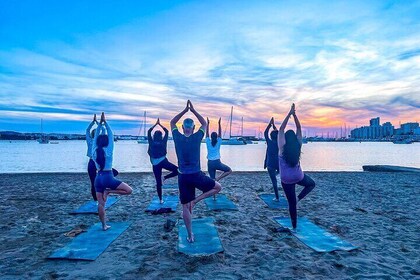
[[101, 210], [188, 208], [187, 216], [215, 190], [223, 175], [122, 189]]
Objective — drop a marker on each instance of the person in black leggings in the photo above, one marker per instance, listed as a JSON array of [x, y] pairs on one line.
[[290, 145], [271, 161], [157, 153]]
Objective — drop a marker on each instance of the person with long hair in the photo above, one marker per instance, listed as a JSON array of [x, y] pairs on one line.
[[157, 152], [91, 165], [290, 144], [271, 156], [187, 147], [105, 183], [213, 144]]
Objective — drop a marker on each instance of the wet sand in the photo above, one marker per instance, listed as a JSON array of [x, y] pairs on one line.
[[379, 212]]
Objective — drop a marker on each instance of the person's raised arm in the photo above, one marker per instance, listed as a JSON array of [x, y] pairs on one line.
[[199, 117], [208, 125], [220, 128], [267, 129], [165, 137], [149, 131], [298, 127], [280, 137], [274, 125], [286, 119], [90, 127], [108, 131], [97, 133], [178, 117]]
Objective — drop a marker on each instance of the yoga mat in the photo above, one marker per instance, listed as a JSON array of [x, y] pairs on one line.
[[207, 241], [89, 245], [315, 237], [222, 202], [170, 186], [170, 201], [91, 207], [268, 199]]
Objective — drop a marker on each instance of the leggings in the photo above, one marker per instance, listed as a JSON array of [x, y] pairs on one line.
[[214, 165], [157, 171], [92, 177], [290, 192], [273, 172]]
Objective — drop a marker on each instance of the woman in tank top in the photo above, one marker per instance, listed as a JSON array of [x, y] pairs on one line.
[[290, 144]]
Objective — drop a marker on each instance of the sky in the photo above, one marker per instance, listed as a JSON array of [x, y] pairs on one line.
[[341, 62]]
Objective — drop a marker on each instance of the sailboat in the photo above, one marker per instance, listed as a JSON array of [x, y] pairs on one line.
[[232, 140], [245, 139], [143, 139], [43, 138]]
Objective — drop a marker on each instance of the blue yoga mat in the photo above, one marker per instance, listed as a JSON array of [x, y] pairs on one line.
[[89, 245], [170, 186], [91, 207], [222, 202], [315, 237], [268, 199], [170, 201], [207, 241]]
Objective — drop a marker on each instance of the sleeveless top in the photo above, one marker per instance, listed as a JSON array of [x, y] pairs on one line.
[[288, 174]]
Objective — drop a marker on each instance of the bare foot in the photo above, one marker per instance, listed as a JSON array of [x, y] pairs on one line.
[[275, 199], [105, 227], [161, 201], [191, 239]]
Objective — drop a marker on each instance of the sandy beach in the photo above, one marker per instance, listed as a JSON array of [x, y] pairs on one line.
[[379, 212]]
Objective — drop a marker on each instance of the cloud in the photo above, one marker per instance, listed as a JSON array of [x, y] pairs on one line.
[[340, 62]]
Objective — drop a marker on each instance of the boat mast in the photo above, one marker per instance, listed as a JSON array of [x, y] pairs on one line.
[[242, 128], [42, 129], [230, 125], [144, 124]]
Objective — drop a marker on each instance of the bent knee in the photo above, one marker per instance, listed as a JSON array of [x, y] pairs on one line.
[[217, 186], [129, 190]]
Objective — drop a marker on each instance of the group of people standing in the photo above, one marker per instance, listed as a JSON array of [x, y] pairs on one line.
[[283, 156]]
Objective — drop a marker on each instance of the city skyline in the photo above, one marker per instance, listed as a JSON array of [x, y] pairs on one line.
[[341, 63]]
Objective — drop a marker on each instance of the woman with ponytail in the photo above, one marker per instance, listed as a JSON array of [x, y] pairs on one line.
[[105, 183], [290, 144], [213, 154]]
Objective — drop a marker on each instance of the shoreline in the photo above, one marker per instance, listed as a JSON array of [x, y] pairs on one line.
[[151, 172]]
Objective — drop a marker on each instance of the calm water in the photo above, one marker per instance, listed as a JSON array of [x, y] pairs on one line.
[[69, 156]]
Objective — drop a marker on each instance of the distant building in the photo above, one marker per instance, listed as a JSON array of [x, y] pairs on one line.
[[375, 122], [373, 131], [387, 129], [408, 128]]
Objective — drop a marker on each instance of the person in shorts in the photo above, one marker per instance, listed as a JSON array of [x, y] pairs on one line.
[[187, 147]]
